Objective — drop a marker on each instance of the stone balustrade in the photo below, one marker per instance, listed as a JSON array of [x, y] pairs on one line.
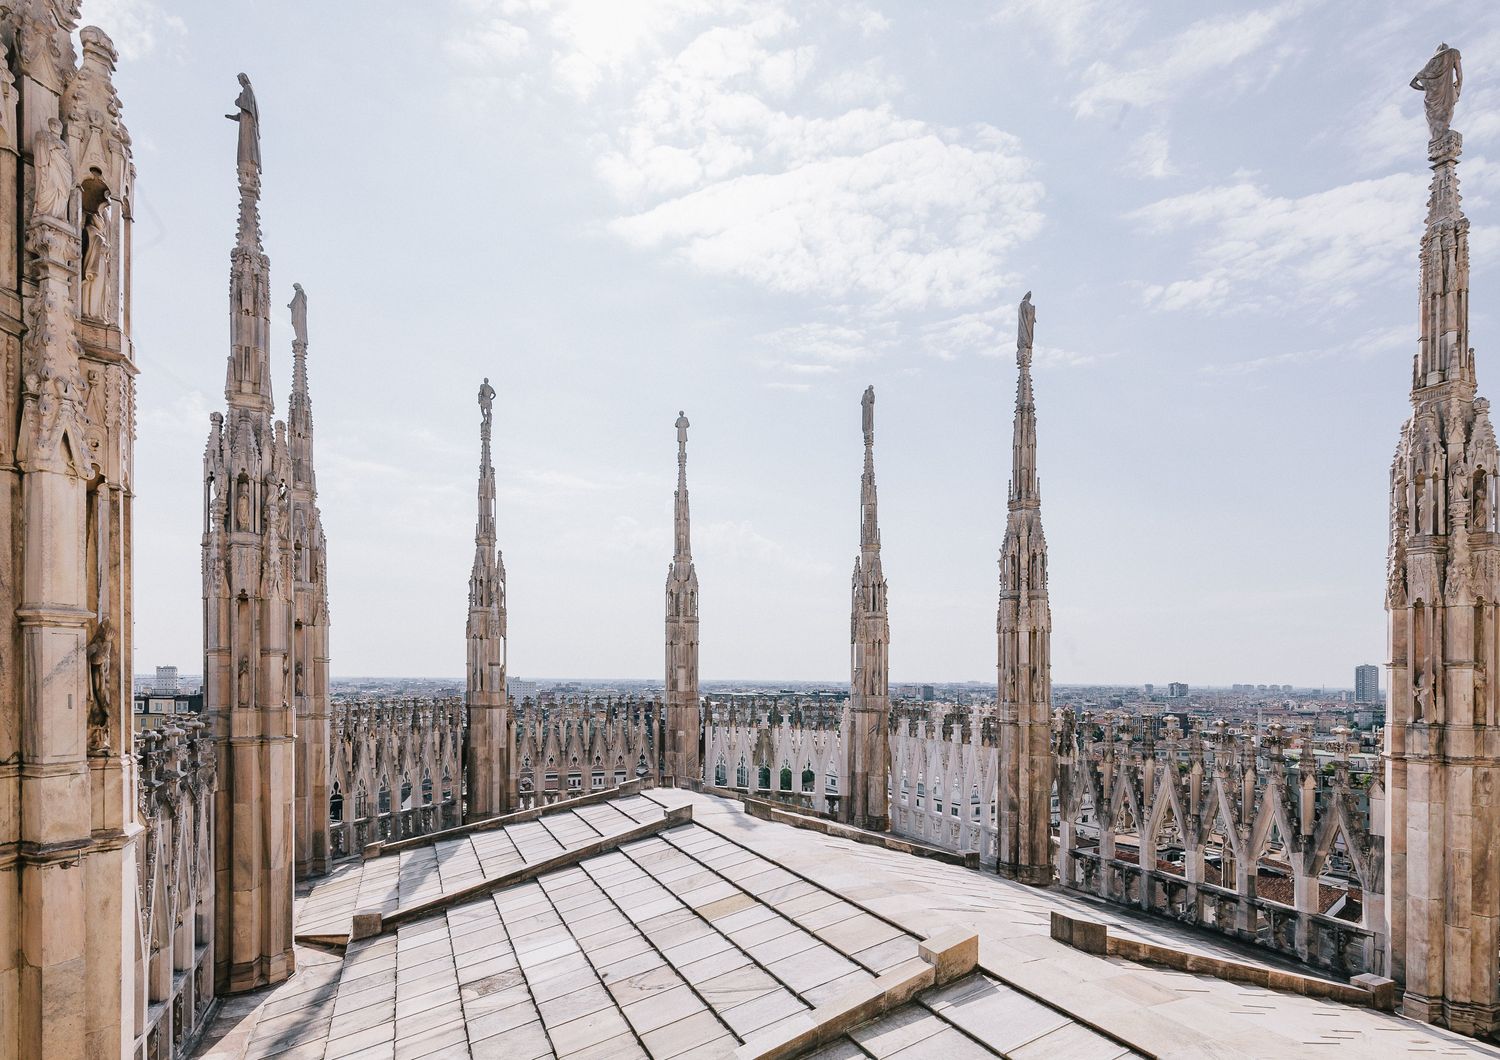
[[572, 746], [790, 748], [395, 770], [174, 967], [1265, 835], [944, 770]]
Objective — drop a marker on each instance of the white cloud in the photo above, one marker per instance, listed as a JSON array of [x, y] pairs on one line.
[[135, 26], [716, 137], [1152, 74], [1260, 249], [1372, 343], [1075, 29], [919, 221], [1151, 155]]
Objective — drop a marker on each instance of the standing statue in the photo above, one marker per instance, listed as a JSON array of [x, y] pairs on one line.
[[96, 265], [248, 116], [682, 427], [298, 306], [1025, 323], [1440, 81], [487, 403], [867, 414], [101, 652], [54, 172]]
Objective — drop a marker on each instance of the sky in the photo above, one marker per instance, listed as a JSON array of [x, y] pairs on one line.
[[751, 209]]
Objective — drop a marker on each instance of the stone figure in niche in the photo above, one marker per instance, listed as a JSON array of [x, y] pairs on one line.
[[1025, 322], [487, 403], [94, 401], [299, 679], [242, 507], [96, 261], [244, 682], [54, 172], [298, 306], [1440, 83], [101, 650], [248, 115]]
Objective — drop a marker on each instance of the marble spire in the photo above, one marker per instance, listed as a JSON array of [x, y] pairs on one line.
[[684, 720], [1442, 735], [1023, 626], [248, 380], [249, 600], [866, 749], [490, 789]]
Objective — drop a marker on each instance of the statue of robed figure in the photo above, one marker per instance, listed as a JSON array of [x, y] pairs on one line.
[[298, 306], [248, 115], [1440, 83], [1025, 323]]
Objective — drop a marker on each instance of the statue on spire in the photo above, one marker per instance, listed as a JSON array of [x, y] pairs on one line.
[[1440, 82], [1025, 325], [487, 404], [248, 115], [867, 409], [298, 306], [682, 428]]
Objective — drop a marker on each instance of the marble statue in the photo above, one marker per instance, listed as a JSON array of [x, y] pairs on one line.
[[101, 657], [487, 403], [298, 306], [1025, 323], [248, 116], [54, 172], [1440, 82], [96, 265], [867, 413]]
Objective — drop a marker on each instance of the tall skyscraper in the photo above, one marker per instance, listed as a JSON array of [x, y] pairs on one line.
[[1367, 683]]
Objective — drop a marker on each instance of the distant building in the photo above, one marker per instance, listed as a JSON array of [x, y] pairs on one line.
[[166, 681], [927, 694], [1177, 690], [518, 689], [154, 709], [1367, 683], [1149, 689]]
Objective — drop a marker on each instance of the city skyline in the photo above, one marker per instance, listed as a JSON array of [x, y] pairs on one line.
[[1223, 329]]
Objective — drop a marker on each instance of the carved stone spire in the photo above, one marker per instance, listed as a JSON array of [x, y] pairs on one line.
[[488, 746], [1443, 353], [684, 724], [866, 749], [682, 551], [248, 381], [1025, 489], [299, 404], [310, 604], [1023, 627], [1442, 737], [250, 610]]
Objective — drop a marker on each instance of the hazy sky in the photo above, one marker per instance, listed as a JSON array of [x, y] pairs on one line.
[[750, 209]]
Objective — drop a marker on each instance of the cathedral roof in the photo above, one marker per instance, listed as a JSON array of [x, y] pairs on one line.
[[668, 923]]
